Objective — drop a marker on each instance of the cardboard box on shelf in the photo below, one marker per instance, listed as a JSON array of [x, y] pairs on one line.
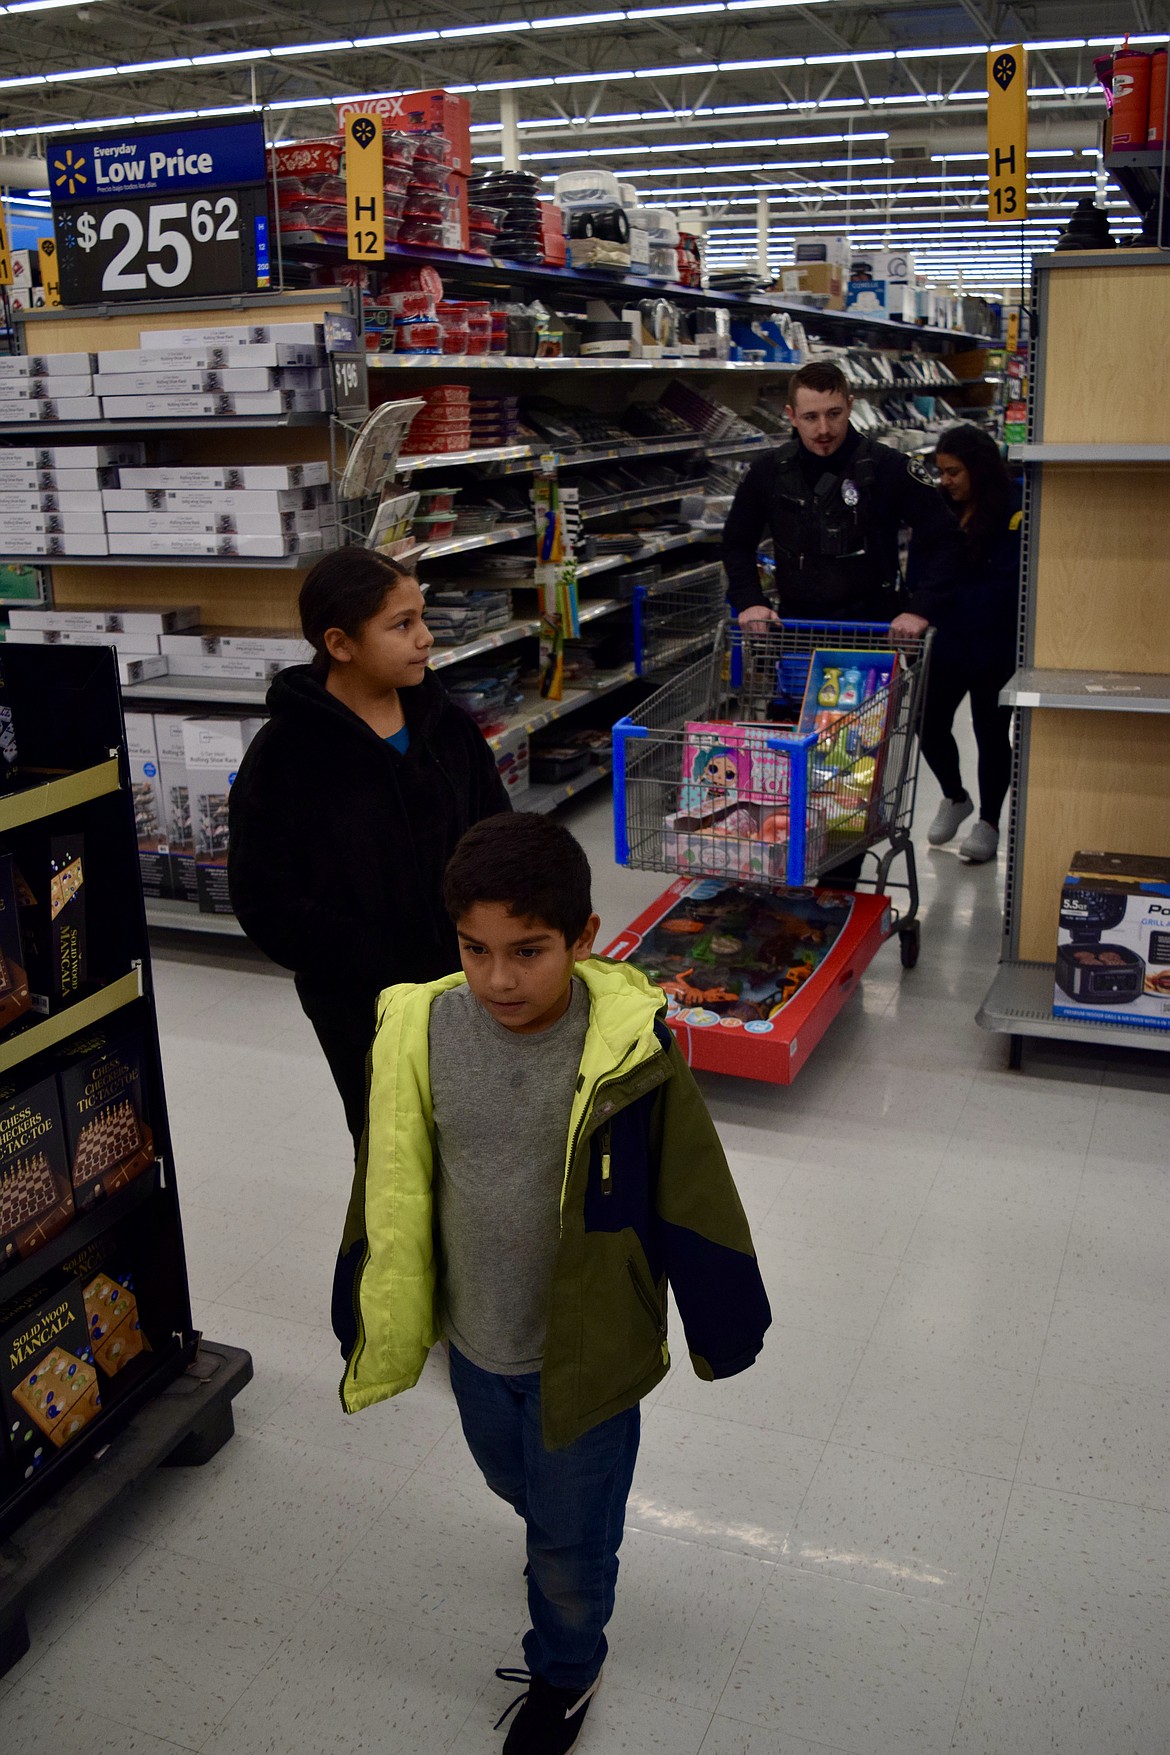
[[220, 477], [816, 280], [229, 381], [235, 335], [176, 793], [224, 666], [49, 499], [264, 404], [211, 523], [136, 670], [214, 749], [58, 544], [1113, 941], [49, 1384], [45, 365], [114, 621], [36, 389], [223, 356], [420, 112], [16, 527], [147, 794], [48, 408], [20, 457]]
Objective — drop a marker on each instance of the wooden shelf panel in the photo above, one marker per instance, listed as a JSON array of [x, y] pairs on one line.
[[1102, 578], [1106, 378]]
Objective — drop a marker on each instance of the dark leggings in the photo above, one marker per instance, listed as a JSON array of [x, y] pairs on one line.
[[344, 1023], [947, 685]]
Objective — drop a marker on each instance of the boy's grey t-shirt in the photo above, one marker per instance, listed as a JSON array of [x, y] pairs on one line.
[[502, 1102]]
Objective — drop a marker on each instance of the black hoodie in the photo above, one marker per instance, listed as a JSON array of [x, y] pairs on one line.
[[338, 843]]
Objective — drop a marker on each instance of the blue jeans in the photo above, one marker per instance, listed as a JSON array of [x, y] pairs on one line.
[[573, 1503]]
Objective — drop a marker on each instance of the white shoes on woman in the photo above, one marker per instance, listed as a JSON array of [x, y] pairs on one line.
[[979, 846]]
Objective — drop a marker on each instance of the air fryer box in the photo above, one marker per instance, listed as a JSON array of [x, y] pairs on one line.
[[53, 909], [1113, 941], [214, 749], [36, 1199], [147, 793], [100, 1077], [15, 999]]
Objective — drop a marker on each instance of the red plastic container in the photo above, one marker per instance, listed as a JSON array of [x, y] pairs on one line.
[[1156, 122], [1131, 99]]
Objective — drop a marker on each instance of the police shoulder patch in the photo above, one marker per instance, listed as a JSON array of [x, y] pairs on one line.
[[919, 472]]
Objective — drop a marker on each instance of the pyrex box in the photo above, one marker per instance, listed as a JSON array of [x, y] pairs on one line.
[[1113, 940]]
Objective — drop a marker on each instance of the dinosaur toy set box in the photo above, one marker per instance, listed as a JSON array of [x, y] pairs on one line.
[[753, 979]]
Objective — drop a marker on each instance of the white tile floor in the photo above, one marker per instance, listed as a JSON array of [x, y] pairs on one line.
[[934, 1517]]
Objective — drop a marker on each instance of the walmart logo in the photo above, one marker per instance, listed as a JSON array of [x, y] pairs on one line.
[[72, 173]]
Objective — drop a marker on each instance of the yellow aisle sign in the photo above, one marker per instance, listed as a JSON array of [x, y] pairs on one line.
[[364, 189], [1007, 135], [50, 273], [5, 258]]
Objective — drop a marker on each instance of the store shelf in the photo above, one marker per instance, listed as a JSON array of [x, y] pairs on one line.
[[82, 1230], [1099, 691], [208, 691], [1019, 1003], [522, 458], [536, 713], [501, 362], [463, 545], [287, 563], [639, 502], [590, 282], [185, 917], [206, 423], [1058, 453], [658, 545], [32, 803], [547, 798], [81, 1016]]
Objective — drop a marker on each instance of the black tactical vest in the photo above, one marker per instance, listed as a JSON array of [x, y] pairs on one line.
[[831, 561]]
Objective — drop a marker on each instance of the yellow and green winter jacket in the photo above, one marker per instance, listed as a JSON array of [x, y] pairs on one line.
[[647, 1201]]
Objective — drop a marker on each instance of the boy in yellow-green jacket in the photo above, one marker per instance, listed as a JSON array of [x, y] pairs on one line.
[[538, 1165]]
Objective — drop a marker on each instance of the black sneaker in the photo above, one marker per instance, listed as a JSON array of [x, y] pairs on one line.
[[550, 1720]]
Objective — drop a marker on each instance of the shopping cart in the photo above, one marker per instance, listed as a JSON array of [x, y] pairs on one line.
[[816, 799], [678, 617]]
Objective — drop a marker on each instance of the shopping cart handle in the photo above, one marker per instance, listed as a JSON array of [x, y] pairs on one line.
[[625, 727], [804, 740]]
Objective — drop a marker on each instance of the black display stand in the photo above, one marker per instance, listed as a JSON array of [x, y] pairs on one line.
[[168, 1396]]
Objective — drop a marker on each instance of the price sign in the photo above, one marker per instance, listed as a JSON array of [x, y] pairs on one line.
[[160, 212], [1007, 135], [147, 248], [47, 252], [350, 382], [364, 189]]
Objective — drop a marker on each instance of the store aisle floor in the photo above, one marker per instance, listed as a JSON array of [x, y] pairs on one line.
[[934, 1517]]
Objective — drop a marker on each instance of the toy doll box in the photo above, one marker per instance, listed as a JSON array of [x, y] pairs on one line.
[[753, 979]]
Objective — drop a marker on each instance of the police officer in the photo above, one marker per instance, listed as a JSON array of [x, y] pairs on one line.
[[835, 502]]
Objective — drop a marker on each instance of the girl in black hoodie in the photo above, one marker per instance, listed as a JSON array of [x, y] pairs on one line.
[[348, 805]]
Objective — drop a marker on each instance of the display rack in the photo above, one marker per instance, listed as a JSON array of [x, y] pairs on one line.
[[1093, 687], [72, 783]]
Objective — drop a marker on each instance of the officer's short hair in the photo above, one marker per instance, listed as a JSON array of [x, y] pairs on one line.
[[822, 375]]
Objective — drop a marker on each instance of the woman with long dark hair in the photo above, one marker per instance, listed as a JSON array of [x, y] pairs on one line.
[[975, 647], [348, 805]]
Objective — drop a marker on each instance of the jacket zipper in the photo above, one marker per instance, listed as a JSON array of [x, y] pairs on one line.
[[606, 1161], [644, 1299]]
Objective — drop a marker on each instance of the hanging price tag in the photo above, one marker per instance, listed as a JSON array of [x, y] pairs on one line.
[[1007, 135], [5, 258], [365, 189]]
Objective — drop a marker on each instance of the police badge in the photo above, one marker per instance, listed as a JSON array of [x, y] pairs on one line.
[[849, 493], [919, 472]]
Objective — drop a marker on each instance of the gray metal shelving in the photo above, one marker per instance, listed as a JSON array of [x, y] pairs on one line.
[[1052, 452], [1019, 1003], [1102, 691]]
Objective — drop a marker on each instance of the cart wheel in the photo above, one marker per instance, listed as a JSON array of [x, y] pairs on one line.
[[911, 941]]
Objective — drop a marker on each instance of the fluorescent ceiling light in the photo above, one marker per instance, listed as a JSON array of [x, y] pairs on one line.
[[334, 48], [19, 6], [481, 30], [577, 18]]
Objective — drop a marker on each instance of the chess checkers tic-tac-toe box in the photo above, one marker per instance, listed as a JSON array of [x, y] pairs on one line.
[[36, 1198], [53, 909], [103, 1106]]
